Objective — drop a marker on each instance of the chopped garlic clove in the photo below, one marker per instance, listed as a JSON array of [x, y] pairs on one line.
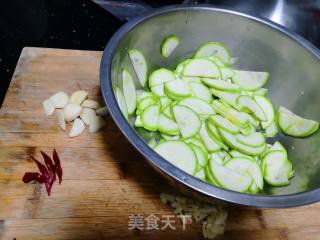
[[71, 111], [97, 124], [103, 111], [77, 128], [48, 106], [60, 99], [61, 121], [88, 103], [78, 97], [88, 116]]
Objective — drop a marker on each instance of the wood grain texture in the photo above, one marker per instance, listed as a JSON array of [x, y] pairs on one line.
[[105, 179]]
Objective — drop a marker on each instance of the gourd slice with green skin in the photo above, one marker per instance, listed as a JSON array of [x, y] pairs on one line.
[[211, 145], [168, 112], [200, 174], [210, 179], [261, 91], [198, 142], [276, 170], [217, 158], [121, 102], [146, 102], [199, 90], [267, 108], [160, 77], [248, 165], [294, 125], [247, 103], [220, 85], [191, 79], [152, 141], [129, 91], [181, 65], [165, 102], [230, 179], [143, 94], [139, 64], [177, 89], [213, 133], [232, 141], [217, 60], [201, 67], [169, 137], [188, 121], [150, 117], [228, 97], [226, 73], [169, 45], [167, 126], [214, 49], [138, 122], [255, 139], [179, 154], [201, 155], [158, 90], [249, 80], [201, 107], [271, 131], [224, 123]]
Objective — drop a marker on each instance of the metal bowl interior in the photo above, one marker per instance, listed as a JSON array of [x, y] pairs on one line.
[[293, 64]]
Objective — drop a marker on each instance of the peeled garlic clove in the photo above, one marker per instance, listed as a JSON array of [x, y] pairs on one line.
[[88, 115], [78, 97], [71, 111], [102, 111], [90, 104], [61, 121], [60, 99], [77, 128], [97, 124], [48, 106]]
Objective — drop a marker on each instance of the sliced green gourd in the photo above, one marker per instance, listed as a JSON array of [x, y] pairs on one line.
[[121, 102], [255, 139], [231, 114], [165, 102], [168, 112], [169, 45], [145, 102], [197, 141], [247, 165], [217, 61], [294, 125], [247, 103], [232, 141], [199, 90], [249, 80], [267, 108], [158, 90], [210, 179], [201, 174], [129, 91], [143, 94], [248, 130], [191, 79], [201, 67], [202, 156], [138, 122], [216, 156], [228, 97], [188, 121], [179, 154], [152, 141], [226, 73], [213, 49], [198, 105], [224, 123], [167, 126], [209, 142], [139, 64], [230, 179], [161, 76], [271, 131], [150, 117], [169, 137], [276, 170], [220, 85], [181, 65], [214, 134], [261, 91], [177, 89]]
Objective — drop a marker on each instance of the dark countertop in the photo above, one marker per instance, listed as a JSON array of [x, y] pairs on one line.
[[81, 24]]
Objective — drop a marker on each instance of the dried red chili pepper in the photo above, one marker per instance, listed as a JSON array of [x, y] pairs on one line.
[[47, 173]]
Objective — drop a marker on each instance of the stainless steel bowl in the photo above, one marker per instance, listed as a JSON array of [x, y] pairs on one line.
[[294, 66]]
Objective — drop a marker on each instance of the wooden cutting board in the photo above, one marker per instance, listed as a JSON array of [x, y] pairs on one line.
[[105, 179]]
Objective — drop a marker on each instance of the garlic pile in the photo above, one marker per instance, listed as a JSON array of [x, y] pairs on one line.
[[77, 109]]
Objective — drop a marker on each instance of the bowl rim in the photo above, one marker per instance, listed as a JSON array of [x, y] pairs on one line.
[[205, 189]]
